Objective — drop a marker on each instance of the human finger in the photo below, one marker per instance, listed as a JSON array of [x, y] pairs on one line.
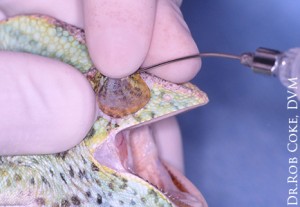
[[118, 34], [172, 39], [168, 140], [46, 106]]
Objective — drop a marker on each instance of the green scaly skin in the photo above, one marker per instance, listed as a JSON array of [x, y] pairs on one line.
[[75, 178]]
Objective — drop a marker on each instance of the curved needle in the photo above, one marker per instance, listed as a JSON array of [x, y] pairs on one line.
[[221, 55]]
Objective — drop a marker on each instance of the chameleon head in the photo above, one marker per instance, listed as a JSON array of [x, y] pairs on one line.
[[114, 144]]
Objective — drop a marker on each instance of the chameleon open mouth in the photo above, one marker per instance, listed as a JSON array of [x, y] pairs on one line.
[[131, 154], [134, 151]]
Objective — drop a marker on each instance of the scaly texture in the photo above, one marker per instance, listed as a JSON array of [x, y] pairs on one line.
[[75, 177], [121, 97]]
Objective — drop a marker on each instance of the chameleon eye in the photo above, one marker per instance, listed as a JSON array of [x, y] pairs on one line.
[[121, 97]]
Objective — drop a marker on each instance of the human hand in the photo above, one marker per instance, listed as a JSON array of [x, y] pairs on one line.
[[135, 34]]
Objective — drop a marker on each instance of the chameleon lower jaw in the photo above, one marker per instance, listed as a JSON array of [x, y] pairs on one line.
[[134, 151]]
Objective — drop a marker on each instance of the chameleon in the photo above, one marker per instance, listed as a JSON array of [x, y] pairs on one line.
[[99, 170]]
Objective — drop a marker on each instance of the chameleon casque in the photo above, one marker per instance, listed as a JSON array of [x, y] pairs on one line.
[[101, 170]]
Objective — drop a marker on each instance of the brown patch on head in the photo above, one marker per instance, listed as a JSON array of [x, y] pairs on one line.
[[93, 77], [71, 171], [65, 203], [75, 200], [121, 97], [17, 177], [32, 181], [8, 183], [61, 155], [111, 186], [88, 194], [99, 199], [40, 201], [94, 167]]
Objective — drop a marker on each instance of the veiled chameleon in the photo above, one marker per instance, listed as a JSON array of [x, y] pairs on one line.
[[96, 172]]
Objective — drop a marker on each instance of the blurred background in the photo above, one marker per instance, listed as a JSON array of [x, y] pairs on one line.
[[235, 147]]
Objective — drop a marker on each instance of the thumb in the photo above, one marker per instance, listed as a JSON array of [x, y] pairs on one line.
[[45, 106], [118, 34]]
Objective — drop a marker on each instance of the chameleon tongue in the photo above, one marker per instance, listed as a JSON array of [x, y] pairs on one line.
[[135, 152]]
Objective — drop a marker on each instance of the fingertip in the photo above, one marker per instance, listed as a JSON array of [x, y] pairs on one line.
[[118, 34], [78, 111], [46, 107], [2, 15], [169, 142], [179, 72], [113, 57], [171, 40]]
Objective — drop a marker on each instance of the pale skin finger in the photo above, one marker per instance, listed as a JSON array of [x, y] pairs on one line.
[[46, 107], [119, 34], [172, 39], [169, 142], [2, 15]]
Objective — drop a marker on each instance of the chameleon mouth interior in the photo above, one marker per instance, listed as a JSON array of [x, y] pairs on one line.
[[134, 151]]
